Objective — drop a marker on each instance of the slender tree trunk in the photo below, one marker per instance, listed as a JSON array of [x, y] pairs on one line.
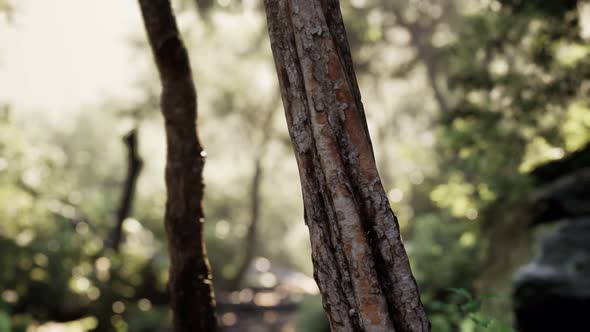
[[424, 53], [255, 197], [252, 235], [360, 263], [431, 73], [190, 286], [134, 165]]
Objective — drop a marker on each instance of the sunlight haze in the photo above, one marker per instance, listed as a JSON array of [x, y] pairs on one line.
[[56, 60]]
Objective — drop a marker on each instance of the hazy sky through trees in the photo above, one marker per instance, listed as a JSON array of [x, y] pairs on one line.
[[55, 58]]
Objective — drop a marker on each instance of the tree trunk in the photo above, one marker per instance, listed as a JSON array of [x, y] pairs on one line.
[[134, 165], [251, 241], [360, 263], [190, 287], [255, 197], [426, 55]]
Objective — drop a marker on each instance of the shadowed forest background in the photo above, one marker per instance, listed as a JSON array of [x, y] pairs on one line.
[[474, 107]]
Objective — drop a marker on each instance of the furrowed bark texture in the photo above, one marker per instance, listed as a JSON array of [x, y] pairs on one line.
[[360, 263], [190, 287]]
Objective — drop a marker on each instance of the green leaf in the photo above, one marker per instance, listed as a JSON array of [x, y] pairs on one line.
[[481, 321], [471, 306], [462, 292], [5, 322]]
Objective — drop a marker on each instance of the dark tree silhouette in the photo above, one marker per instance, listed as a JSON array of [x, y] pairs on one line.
[[190, 286], [134, 165]]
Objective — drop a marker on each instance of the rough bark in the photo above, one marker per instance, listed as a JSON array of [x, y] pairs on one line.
[[190, 286], [134, 165], [360, 263]]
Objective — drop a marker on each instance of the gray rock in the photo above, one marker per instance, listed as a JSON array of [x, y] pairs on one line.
[[567, 197], [552, 293]]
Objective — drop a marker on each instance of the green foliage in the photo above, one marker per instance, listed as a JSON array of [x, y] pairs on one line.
[[6, 7], [446, 250], [516, 93], [516, 73], [5, 323], [52, 248], [61, 182], [311, 316], [464, 311]]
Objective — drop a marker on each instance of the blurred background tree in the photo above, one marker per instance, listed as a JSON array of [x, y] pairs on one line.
[[463, 97]]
